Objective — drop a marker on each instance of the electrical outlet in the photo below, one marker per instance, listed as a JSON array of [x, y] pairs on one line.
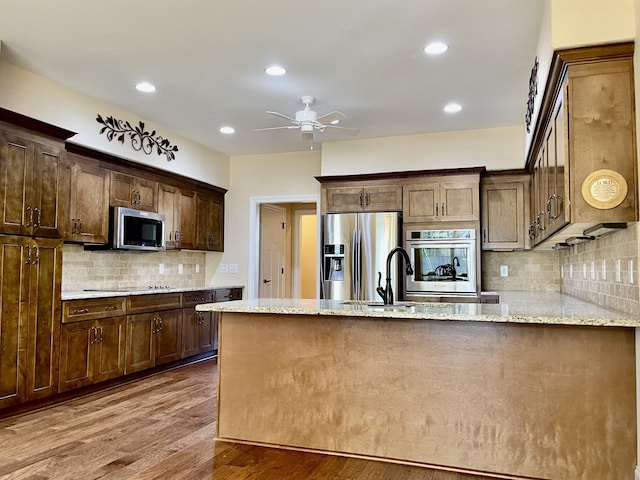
[[604, 269], [197, 268], [584, 271], [630, 268], [161, 268], [223, 268], [233, 268], [618, 270], [180, 268], [593, 270], [504, 270]]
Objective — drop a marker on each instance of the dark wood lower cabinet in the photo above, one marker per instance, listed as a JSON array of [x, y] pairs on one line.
[[199, 332], [30, 318], [91, 351], [153, 339]]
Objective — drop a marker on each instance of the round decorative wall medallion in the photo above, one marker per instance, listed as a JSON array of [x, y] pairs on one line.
[[604, 189]]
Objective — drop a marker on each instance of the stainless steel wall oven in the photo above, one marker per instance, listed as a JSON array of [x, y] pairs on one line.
[[444, 261]]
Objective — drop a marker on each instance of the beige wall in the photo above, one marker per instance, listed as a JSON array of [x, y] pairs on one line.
[[308, 256], [590, 22], [495, 148], [286, 176], [35, 96]]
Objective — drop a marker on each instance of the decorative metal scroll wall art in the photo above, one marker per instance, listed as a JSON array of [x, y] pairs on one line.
[[140, 139], [533, 91]]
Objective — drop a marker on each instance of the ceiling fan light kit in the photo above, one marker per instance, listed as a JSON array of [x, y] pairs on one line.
[[307, 121]]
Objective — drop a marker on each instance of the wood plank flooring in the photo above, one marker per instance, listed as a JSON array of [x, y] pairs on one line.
[[163, 427]]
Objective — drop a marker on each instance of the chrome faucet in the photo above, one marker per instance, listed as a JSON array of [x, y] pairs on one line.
[[387, 292]]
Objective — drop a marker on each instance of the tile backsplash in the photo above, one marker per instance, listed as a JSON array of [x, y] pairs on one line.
[[604, 271], [531, 270], [109, 269]]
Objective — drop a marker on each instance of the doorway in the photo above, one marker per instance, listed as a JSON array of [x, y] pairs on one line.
[[300, 265]]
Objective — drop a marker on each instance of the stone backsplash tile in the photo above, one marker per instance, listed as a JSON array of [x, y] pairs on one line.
[[604, 271], [108, 269], [531, 270]]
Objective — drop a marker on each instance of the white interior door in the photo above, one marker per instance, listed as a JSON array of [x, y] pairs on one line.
[[272, 251]]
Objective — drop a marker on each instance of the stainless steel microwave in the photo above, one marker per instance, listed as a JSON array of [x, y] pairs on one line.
[[136, 230]]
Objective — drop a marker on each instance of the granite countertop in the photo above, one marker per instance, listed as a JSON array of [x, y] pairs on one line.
[[127, 291], [550, 308]]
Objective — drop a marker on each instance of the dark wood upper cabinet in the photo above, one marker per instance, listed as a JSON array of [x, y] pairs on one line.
[[583, 152], [209, 222], [133, 192], [29, 186]]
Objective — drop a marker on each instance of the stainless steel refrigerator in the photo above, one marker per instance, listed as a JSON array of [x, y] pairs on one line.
[[354, 251]]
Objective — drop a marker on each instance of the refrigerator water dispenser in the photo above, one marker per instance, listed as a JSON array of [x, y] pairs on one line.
[[334, 262]]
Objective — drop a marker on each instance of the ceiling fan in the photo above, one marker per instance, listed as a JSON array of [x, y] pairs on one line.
[[307, 121]]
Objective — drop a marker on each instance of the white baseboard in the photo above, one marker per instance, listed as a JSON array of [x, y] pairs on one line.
[[637, 475]]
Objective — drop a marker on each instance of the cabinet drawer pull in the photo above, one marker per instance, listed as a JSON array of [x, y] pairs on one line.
[[38, 217], [79, 311], [30, 215], [111, 307]]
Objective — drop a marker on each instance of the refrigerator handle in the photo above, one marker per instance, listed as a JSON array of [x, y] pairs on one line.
[[355, 254]]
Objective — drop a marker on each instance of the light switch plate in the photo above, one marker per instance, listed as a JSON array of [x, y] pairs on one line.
[[233, 268], [223, 268]]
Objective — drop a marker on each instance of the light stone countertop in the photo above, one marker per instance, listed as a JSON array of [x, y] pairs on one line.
[[549, 308], [127, 291]]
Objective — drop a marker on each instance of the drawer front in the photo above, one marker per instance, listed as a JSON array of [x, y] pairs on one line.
[[227, 294], [191, 299], [91, 309], [153, 302]]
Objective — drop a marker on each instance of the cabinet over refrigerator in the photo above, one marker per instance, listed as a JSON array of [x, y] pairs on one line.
[[354, 254]]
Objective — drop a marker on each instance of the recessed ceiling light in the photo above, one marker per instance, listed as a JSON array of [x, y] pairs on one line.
[[452, 108], [275, 70], [227, 130], [146, 87], [436, 48]]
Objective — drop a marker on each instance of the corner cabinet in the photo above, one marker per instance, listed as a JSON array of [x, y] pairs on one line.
[[583, 152], [504, 200]]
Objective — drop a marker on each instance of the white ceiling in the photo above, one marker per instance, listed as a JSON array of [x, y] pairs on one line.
[[361, 57]]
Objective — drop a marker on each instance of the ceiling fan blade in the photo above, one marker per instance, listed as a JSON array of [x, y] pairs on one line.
[[345, 130], [331, 117], [281, 115], [288, 127]]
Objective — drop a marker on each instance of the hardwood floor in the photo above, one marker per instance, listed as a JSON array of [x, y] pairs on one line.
[[163, 427]]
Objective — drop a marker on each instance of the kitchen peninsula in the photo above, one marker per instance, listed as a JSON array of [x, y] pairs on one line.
[[539, 386]]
